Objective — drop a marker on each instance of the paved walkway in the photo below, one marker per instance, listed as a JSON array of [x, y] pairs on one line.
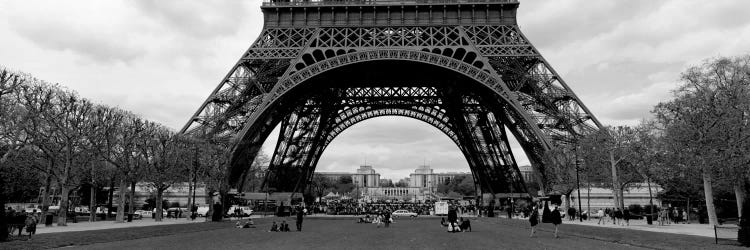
[[687, 229], [99, 225]]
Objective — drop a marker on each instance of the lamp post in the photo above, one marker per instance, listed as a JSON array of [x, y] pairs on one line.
[[578, 188]]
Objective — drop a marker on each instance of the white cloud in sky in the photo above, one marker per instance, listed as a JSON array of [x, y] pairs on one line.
[[162, 58]]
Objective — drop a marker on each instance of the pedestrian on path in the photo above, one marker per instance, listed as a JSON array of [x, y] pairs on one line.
[[556, 219], [534, 220], [31, 224], [300, 216], [626, 217], [601, 216]]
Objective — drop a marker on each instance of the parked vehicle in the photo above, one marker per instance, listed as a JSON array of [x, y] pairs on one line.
[[202, 210], [243, 210], [404, 213], [144, 213], [30, 209], [82, 210]]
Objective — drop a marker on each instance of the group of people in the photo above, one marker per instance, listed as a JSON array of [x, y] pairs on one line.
[[18, 220], [548, 216], [282, 227], [615, 215], [351, 207], [379, 218], [455, 224], [672, 215]]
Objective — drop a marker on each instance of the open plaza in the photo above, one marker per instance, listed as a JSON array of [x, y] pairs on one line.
[[326, 232]]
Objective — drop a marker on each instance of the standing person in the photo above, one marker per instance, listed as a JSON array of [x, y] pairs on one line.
[[556, 219], [300, 216], [31, 224], [618, 216], [607, 214], [626, 216], [387, 218], [379, 220], [534, 220], [510, 211]]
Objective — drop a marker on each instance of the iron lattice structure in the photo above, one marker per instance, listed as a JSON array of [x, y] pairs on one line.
[[462, 66]]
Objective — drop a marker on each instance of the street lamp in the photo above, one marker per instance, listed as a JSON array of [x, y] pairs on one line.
[[578, 187]]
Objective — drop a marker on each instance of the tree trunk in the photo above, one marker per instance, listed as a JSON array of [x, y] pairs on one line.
[[92, 203], [615, 181], [588, 197], [45, 194], [159, 193], [190, 200], [650, 197], [621, 193], [121, 202], [739, 194], [111, 197], [131, 204], [62, 213], [708, 191]]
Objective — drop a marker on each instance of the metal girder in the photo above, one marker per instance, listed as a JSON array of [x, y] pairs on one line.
[[298, 73]]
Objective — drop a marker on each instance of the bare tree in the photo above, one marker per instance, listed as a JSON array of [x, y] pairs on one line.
[[612, 149], [166, 155]]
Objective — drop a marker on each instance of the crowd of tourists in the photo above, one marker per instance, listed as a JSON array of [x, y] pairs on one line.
[[20, 220], [351, 207]]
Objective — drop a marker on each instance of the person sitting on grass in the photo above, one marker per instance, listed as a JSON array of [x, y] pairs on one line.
[[249, 224], [284, 227], [274, 227], [443, 223], [465, 225]]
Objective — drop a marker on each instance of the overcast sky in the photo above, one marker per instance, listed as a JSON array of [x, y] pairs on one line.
[[162, 58]]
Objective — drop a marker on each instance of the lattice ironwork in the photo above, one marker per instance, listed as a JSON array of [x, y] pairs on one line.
[[474, 76]]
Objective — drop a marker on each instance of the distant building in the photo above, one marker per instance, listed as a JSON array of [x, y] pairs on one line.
[[425, 177], [178, 193], [365, 176], [602, 197], [527, 173]]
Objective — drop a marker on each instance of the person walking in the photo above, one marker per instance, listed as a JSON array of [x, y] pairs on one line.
[[626, 217], [534, 220], [556, 219], [300, 217], [31, 224], [618, 216], [600, 214]]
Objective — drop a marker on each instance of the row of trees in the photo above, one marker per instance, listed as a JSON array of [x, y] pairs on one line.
[[696, 143], [52, 135]]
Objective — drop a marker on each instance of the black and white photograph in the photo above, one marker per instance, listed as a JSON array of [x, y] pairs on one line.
[[374, 124]]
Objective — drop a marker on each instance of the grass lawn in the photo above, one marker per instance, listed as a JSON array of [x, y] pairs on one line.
[[421, 233]]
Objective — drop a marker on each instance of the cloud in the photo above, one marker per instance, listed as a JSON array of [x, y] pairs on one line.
[[84, 29], [199, 19]]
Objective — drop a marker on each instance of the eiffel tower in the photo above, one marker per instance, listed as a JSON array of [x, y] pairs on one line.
[[462, 66]]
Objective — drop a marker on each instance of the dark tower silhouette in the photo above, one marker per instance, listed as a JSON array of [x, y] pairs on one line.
[[462, 66]]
